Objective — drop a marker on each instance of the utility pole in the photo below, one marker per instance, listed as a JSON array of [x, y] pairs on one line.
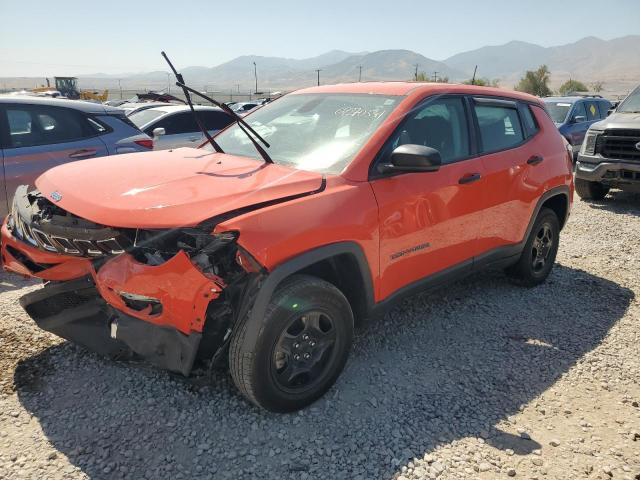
[[318, 72], [255, 73], [435, 76], [120, 88], [416, 74], [238, 87], [473, 79], [168, 82], [359, 73]]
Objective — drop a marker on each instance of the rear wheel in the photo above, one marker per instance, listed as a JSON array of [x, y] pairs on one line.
[[300, 348], [539, 254], [591, 190]]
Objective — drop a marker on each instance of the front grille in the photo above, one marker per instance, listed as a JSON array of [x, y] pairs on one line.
[[619, 144], [629, 175], [64, 244]]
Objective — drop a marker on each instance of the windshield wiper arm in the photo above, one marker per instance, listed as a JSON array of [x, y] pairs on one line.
[[185, 90], [244, 126]]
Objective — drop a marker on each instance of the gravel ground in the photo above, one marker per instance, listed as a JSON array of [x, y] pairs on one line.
[[482, 380]]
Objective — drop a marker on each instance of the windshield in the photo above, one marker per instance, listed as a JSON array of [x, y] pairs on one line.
[[316, 132], [558, 110], [631, 104], [143, 117]]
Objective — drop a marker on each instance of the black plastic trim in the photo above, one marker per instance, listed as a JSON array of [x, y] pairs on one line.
[[271, 281]]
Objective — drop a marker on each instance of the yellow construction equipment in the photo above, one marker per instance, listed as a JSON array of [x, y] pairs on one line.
[[68, 87]]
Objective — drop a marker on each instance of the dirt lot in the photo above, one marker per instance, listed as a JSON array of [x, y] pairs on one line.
[[481, 380]]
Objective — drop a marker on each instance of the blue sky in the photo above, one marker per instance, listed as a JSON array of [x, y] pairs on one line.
[[78, 37]]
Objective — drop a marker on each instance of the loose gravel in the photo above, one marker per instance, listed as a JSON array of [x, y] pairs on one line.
[[481, 380]]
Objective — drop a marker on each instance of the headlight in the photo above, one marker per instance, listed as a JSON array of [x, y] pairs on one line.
[[590, 142]]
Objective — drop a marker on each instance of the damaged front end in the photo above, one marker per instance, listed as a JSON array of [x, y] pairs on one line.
[[170, 296]]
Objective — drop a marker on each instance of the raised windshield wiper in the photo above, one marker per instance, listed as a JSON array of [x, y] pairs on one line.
[[244, 126], [201, 126]]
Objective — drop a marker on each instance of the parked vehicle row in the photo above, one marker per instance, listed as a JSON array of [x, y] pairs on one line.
[[268, 248], [174, 126]]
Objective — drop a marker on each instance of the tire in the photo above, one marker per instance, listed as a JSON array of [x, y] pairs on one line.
[[540, 250], [591, 190], [301, 346]]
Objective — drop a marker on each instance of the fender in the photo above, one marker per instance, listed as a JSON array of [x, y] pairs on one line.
[[272, 280]]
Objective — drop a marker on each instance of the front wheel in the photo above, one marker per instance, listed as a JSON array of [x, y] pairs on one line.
[[539, 254], [293, 355]]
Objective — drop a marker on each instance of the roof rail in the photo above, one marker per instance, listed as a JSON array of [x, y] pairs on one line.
[[584, 94]]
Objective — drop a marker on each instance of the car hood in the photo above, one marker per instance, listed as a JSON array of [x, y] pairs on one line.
[[619, 120], [169, 188]]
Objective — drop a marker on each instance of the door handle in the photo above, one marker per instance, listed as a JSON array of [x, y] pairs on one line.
[[535, 160], [469, 178], [83, 153]]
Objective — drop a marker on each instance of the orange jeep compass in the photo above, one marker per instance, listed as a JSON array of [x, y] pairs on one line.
[[271, 242]]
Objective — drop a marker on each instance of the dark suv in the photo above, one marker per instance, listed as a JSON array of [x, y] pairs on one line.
[[610, 154], [574, 115]]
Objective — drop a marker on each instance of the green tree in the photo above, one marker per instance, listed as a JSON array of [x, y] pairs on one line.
[[535, 82], [483, 82], [423, 77], [572, 86]]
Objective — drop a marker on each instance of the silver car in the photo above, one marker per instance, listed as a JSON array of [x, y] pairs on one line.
[[38, 133], [132, 107], [173, 126]]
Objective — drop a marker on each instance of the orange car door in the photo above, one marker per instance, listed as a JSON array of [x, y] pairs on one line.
[[429, 221]]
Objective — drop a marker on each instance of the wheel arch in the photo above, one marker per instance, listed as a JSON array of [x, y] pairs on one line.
[[343, 264], [557, 200]]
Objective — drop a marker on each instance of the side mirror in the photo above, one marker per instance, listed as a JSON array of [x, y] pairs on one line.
[[579, 119], [610, 111], [412, 158], [157, 132]]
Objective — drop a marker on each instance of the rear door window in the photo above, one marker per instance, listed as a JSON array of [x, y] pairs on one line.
[[604, 109], [592, 111], [500, 126], [31, 125]]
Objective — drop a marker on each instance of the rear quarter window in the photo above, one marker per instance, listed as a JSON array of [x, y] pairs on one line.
[[529, 121]]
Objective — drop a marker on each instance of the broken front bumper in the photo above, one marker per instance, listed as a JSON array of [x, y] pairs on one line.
[[119, 306], [74, 310]]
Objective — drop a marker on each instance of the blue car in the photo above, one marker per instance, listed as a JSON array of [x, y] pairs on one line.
[[574, 115], [37, 134]]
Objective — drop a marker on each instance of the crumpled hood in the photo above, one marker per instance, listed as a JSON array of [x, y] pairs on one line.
[[169, 188]]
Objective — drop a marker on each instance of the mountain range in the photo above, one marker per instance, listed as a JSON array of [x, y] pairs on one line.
[[615, 62]]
